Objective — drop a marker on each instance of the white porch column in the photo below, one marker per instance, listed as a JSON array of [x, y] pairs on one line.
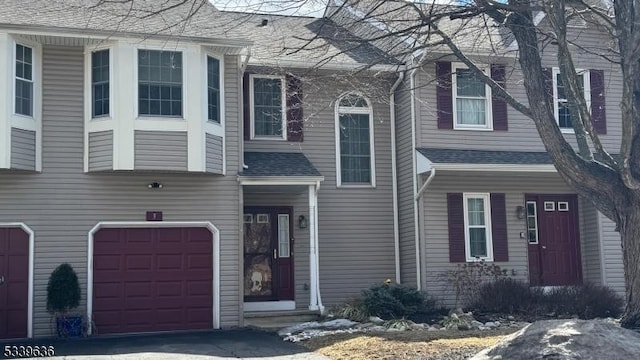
[[313, 250]]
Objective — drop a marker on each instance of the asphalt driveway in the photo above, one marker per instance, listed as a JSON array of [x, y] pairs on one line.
[[220, 344]]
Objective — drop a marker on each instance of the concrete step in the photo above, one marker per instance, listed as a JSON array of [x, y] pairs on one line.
[[276, 320]]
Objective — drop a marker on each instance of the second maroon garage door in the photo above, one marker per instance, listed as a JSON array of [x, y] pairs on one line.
[[152, 279]]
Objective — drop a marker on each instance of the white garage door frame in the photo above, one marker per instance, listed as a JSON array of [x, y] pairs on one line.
[[158, 224], [31, 234]]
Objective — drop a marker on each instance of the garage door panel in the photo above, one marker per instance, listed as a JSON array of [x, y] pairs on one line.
[[161, 276]]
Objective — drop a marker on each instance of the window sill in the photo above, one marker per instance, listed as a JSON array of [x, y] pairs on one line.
[[268, 138], [468, 128], [567, 131], [475, 260], [356, 186], [160, 118]]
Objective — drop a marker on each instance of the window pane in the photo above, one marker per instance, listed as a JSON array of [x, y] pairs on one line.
[[267, 107], [471, 111], [100, 82], [478, 242], [213, 88], [355, 145], [564, 115], [475, 208], [160, 82], [24, 95], [283, 236], [468, 85]]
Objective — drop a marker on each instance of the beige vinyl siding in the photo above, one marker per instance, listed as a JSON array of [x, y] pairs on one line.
[[590, 242], [612, 257], [160, 150], [405, 154], [23, 149], [522, 134], [62, 203], [101, 150], [513, 185], [356, 242], [214, 154], [298, 198]]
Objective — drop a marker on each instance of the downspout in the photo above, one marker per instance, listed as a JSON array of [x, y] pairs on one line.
[[416, 218], [317, 245], [243, 67], [394, 178]]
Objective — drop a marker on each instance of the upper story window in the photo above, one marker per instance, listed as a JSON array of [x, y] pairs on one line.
[[354, 141], [24, 80], [100, 83], [267, 106], [477, 227], [159, 83], [213, 89], [471, 97], [562, 106]]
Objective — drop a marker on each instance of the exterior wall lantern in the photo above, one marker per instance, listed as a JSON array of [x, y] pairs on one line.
[[302, 222]]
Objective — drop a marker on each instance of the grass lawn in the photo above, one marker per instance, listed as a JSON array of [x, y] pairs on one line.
[[430, 345]]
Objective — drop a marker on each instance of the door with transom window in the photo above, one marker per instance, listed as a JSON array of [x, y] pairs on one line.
[[268, 254], [553, 236]]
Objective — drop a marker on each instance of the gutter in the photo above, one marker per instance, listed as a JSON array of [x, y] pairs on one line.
[[243, 67], [426, 183], [394, 178], [317, 246], [416, 218]]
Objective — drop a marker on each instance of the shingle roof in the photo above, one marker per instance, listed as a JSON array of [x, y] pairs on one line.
[[196, 18], [452, 156], [303, 39], [278, 164]]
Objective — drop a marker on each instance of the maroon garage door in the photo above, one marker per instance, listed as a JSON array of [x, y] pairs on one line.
[[14, 283], [152, 279]]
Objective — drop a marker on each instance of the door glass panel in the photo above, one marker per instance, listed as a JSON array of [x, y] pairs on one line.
[[532, 222], [258, 257], [284, 250]]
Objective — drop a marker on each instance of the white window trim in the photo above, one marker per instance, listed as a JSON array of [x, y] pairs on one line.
[[185, 63], [283, 90], [587, 94], [354, 110], [25, 122], [535, 216], [89, 84], [220, 58], [486, 198], [488, 126]]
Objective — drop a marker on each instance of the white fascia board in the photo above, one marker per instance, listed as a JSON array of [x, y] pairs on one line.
[[279, 180], [115, 35], [423, 165], [328, 66], [543, 168]]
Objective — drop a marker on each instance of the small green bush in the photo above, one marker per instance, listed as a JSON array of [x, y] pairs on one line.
[[511, 296], [353, 310], [63, 290], [392, 301]]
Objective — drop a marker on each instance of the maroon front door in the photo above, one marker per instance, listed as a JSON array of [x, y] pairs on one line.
[[268, 254], [152, 279], [14, 283], [554, 240]]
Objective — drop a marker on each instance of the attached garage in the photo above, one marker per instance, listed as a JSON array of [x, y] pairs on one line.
[[15, 274], [148, 278]]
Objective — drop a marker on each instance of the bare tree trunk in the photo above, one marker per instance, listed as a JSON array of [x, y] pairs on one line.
[[630, 234]]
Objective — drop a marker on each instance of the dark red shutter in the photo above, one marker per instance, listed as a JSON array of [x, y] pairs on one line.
[[455, 212], [598, 107], [444, 95], [295, 119], [498, 105], [499, 227], [547, 75], [246, 106]]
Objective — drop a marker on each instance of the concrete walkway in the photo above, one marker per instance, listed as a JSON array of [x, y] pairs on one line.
[[222, 344]]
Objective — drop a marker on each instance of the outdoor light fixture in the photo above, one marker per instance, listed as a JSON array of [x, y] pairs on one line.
[[520, 212], [154, 185], [302, 222]]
